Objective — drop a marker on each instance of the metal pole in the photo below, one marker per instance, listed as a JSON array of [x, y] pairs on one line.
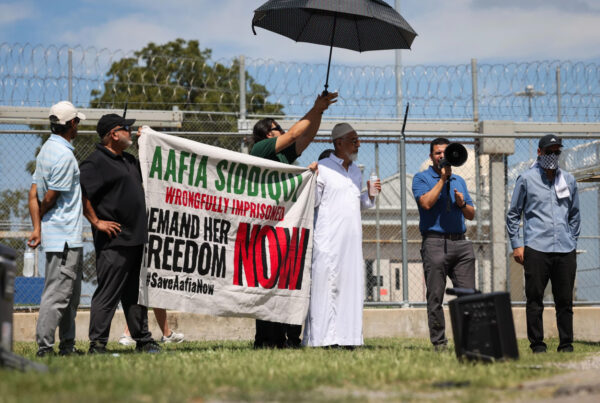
[[330, 52], [242, 87], [478, 209], [70, 75], [402, 170], [398, 54], [243, 111], [558, 96], [402, 161], [474, 90], [377, 228]]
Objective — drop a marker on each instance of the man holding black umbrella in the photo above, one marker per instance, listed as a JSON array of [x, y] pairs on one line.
[[272, 142]]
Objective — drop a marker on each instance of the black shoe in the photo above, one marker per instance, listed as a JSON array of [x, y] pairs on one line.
[[565, 349], [538, 349], [97, 349], [45, 352], [71, 351], [150, 347]]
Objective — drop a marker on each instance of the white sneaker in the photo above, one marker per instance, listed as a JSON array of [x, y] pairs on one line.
[[126, 340], [173, 338]]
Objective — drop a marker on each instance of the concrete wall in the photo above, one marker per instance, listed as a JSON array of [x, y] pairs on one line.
[[404, 322]]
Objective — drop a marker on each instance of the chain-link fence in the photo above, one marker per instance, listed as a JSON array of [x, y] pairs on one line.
[[382, 226], [216, 100]]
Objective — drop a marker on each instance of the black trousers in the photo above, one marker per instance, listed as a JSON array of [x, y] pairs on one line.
[[444, 258], [560, 269], [276, 335], [118, 271]]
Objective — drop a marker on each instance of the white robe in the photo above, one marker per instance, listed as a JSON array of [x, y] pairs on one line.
[[338, 279]]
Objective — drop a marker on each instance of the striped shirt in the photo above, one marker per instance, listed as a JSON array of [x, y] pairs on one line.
[[56, 169]]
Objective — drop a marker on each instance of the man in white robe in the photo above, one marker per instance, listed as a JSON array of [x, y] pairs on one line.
[[338, 280]]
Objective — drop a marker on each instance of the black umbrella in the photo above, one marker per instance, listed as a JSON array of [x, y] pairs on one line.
[[359, 25]]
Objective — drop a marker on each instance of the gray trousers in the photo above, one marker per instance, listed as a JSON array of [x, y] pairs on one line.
[[60, 298], [441, 258]]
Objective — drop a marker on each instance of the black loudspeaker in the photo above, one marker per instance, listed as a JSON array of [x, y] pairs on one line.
[[8, 269], [483, 327], [455, 154]]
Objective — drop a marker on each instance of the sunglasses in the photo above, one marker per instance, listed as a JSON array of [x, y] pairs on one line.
[[278, 128], [557, 152], [126, 128]]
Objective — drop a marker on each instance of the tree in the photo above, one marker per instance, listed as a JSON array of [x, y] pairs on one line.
[[179, 74]]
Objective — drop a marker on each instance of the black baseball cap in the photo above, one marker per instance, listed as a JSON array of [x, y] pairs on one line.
[[549, 140], [110, 121]]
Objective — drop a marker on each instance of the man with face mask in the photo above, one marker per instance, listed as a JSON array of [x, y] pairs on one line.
[[114, 204], [338, 279], [547, 199], [444, 204]]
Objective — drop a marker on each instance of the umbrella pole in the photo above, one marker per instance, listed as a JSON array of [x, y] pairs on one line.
[[325, 92]]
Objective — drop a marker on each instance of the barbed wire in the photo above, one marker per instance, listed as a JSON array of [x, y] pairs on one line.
[[36, 75]]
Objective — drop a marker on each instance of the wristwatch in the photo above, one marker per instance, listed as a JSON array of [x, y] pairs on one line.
[[463, 206]]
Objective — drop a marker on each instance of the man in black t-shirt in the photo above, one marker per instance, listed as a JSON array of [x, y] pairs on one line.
[[114, 204], [273, 143]]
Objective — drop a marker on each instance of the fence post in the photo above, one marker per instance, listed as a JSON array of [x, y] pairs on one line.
[[242, 122], [402, 162], [242, 87], [474, 90], [478, 209], [377, 229], [70, 75], [558, 96]]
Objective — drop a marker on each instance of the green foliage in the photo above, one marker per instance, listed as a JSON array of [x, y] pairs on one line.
[[382, 370], [180, 74], [14, 204]]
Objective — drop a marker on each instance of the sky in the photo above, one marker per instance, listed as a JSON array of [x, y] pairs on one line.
[[450, 31]]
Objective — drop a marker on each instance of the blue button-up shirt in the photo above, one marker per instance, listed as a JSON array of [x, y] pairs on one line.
[[438, 218], [550, 224]]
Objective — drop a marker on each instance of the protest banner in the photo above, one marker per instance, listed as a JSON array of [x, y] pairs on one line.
[[229, 234]]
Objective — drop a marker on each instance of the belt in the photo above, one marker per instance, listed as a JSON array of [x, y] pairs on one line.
[[452, 237]]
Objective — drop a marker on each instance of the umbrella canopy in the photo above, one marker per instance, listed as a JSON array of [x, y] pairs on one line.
[[359, 25]]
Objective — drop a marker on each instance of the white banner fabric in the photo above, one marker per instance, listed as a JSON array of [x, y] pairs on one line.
[[229, 234]]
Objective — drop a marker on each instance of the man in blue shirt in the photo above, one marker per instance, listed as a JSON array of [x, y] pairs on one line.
[[444, 203], [547, 198], [55, 209]]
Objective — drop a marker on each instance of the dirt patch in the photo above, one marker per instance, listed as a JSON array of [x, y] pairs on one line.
[[581, 384]]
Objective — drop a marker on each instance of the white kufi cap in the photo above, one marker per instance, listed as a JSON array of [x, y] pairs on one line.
[[340, 130]]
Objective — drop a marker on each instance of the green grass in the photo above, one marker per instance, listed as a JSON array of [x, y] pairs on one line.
[[385, 369]]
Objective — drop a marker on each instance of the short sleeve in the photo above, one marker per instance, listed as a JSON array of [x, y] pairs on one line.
[[90, 180], [62, 174], [419, 186]]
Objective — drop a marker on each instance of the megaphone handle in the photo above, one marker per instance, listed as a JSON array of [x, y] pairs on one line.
[[448, 204]]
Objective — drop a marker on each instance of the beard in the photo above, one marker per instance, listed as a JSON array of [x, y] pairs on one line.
[[124, 142], [353, 157]]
